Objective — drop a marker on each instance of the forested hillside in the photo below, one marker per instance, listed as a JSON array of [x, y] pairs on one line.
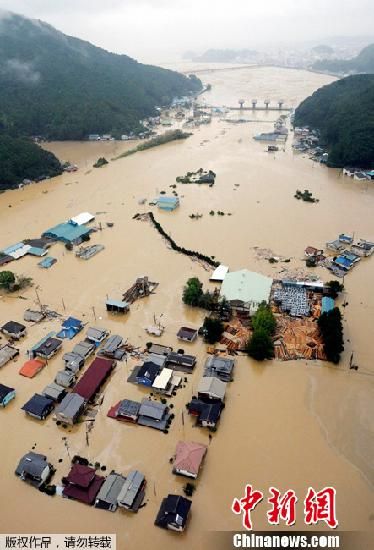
[[61, 87], [362, 63], [343, 112]]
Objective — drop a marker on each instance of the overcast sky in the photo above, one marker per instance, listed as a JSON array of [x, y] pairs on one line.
[[160, 30]]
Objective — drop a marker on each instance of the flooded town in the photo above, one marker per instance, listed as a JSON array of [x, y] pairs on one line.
[[121, 411]]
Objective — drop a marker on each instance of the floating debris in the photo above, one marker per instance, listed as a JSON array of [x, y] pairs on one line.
[[87, 252]]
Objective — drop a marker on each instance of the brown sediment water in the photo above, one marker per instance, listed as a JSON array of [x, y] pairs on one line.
[[289, 424]]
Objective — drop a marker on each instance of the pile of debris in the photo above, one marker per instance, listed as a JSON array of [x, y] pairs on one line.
[[141, 288], [298, 339], [235, 336]]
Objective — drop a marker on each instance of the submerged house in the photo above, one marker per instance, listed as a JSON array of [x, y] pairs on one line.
[[39, 406], [147, 373], [65, 378], [153, 414], [84, 349], [111, 348], [187, 334], [46, 348], [106, 498], [173, 513], [211, 388], [180, 361], [117, 306], [6, 395], [70, 409], [32, 367], [188, 458], [73, 361], [132, 492], [7, 353], [207, 414], [34, 469], [14, 330], [126, 411], [68, 233], [167, 203], [82, 484], [219, 367], [70, 328], [164, 382], [55, 392], [97, 335], [94, 378]]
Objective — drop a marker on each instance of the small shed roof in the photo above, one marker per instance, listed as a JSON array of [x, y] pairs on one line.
[[13, 327], [219, 273], [82, 218]]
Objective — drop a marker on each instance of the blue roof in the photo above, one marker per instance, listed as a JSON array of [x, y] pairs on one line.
[[165, 199], [47, 262], [343, 262], [70, 328], [72, 322], [327, 304], [12, 248], [37, 405], [67, 232], [35, 251]]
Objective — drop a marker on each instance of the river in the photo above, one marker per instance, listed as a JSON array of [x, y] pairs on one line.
[[289, 424]]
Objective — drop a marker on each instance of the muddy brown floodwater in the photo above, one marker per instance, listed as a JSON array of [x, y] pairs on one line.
[[293, 424]]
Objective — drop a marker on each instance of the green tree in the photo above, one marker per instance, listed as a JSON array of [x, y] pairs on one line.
[[331, 327], [260, 346], [334, 288], [264, 319], [7, 279], [193, 292], [213, 329]]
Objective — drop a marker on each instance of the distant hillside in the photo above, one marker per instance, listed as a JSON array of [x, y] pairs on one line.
[[362, 63], [226, 56], [343, 112], [65, 88], [22, 159]]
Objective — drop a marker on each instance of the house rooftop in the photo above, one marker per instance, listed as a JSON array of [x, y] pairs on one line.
[[212, 386], [130, 489], [189, 456], [247, 287]]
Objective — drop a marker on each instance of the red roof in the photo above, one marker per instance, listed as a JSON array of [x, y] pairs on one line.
[[189, 456], [80, 475], [92, 379], [32, 367], [88, 494]]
